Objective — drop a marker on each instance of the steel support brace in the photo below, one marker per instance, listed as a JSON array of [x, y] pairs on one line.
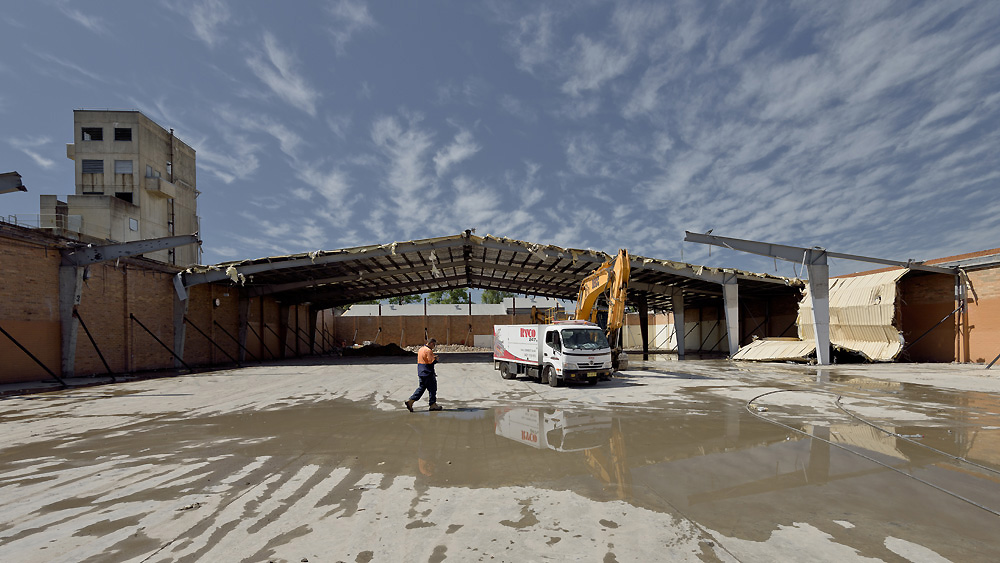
[[70, 292], [731, 297], [677, 305], [214, 343], [86, 331], [233, 338], [32, 356], [157, 339]]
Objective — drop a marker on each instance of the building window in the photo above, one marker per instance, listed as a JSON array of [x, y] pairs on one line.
[[93, 166], [123, 133], [93, 134], [124, 196], [149, 171], [133, 224], [123, 167]]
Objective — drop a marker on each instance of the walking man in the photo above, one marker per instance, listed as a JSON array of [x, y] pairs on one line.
[[426, 358]]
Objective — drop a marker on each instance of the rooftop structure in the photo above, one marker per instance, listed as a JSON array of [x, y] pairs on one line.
[[134, 180]]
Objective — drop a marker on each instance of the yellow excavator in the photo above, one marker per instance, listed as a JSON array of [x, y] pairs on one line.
[[609, 279]]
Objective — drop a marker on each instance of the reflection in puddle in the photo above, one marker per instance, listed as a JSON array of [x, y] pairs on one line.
[[707, 460]]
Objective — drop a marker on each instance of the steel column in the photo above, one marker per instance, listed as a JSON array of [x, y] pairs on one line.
[[731, 297], [677, 304], [70, 292], [819, 294]]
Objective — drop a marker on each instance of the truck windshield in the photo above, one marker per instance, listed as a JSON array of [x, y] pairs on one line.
[[584, 339]]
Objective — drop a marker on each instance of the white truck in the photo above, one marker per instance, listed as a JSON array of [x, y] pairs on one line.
[[553, 353]]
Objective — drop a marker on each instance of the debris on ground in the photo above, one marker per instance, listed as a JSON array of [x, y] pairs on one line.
[[441, 348], [377, 350]]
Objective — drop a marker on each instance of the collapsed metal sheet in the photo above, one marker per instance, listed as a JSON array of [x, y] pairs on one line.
[[862, 317]]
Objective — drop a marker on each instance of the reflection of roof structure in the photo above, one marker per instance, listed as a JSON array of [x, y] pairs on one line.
[[329, 278]]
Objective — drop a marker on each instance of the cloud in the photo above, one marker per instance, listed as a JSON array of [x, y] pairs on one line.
[[333, 185], [339, 125], [462, 148], [405, 146], [93, 23], [28, 146], [594, 64], [275, 67], [206, 18], [59, 67], [229, 167], [532, 40], [518, 109], [288, 140], [350, 19]]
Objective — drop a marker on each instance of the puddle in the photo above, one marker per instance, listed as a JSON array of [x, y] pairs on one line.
[[729, 471]]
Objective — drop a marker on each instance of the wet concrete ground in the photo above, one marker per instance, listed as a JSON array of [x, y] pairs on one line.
[[317, 460]]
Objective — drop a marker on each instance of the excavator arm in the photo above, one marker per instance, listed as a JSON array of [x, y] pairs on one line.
[[610, 277]]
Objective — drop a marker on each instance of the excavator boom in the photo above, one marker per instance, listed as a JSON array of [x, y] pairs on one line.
[[611, 277]]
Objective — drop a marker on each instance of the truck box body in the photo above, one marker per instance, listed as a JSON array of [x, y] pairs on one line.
[[571, 350]]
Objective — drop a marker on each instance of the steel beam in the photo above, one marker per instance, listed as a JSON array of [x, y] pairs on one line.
[[91, 254], [806, 255], [11, 182]]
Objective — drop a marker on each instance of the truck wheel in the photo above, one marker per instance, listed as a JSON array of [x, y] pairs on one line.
[[550, 375], [505, 371]]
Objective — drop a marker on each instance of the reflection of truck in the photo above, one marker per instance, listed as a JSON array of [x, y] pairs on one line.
[[559, 430], [553, 353]]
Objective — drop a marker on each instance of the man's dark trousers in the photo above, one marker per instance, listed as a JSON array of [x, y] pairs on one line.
[[428, 381]]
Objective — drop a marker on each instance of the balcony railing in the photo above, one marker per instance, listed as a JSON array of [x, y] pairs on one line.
[[69, 223]]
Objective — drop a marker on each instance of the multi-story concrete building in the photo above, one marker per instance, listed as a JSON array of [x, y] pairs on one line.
[[134, 180]]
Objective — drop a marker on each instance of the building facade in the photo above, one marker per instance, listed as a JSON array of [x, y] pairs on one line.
[[134, 180]]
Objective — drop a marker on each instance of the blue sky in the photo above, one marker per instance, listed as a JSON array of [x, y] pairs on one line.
[[864, 127]]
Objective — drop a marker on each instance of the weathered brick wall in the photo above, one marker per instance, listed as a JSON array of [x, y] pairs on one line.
[[29, 309], [984, 316]]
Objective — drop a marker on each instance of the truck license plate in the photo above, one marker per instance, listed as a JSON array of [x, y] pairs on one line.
[[591, 374]]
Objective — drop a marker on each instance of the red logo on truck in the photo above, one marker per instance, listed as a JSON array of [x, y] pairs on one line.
[[529, 332]]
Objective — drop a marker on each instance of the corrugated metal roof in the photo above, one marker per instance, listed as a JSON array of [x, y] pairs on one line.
[[329, 278], [776, 349]]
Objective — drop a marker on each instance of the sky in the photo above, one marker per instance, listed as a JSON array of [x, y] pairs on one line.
[[862, 127]]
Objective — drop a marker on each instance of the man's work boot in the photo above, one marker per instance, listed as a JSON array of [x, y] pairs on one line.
[[409, 404], [435, 407]]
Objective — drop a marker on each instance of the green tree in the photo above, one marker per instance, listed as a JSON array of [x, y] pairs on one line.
[[404, 299], [495, 296], [449, 296]]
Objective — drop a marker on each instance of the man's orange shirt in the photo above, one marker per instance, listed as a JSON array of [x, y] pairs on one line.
[[425, 355]]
